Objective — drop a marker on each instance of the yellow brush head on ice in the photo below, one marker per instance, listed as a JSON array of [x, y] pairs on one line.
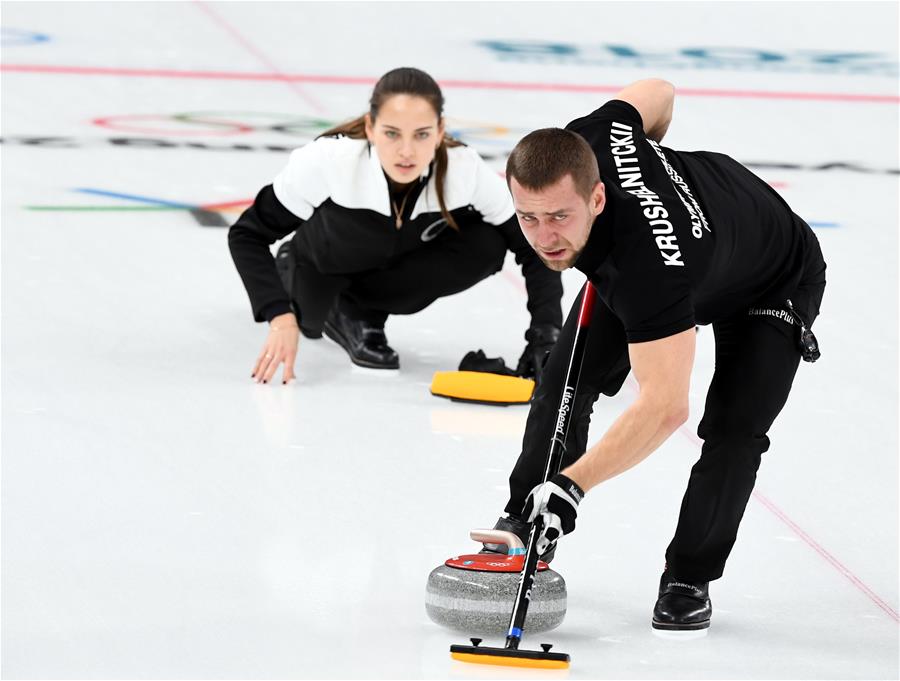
[[505, 661], [505, 657], [483, 387]]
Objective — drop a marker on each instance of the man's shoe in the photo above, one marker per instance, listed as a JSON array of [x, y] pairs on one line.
[[519, 528], [682, 606], [366, 344]]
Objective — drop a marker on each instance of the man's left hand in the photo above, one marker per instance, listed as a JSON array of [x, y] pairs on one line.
[[556, 501], [541, 339]]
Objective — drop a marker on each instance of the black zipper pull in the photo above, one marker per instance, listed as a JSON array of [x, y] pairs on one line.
[[809, 345], [795, 314]]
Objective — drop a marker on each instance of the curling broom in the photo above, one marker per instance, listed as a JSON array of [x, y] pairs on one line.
[[510, 655]]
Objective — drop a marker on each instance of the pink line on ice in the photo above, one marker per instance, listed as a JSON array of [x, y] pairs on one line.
[[800, 532], [259, 54], [450, 83]]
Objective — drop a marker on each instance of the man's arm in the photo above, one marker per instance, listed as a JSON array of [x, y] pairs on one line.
[[653, 98], [663, 370]]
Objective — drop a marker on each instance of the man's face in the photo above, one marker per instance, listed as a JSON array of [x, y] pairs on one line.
[[556, 220]]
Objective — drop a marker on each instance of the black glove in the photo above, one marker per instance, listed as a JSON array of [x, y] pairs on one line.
[[540, 341], [556, 501], [476, 360]]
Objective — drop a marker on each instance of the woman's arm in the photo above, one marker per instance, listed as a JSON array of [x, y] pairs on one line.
[[249, 239], [492, 200]]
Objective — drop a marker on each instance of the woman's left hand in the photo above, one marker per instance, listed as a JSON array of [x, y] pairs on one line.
[[280, 347]]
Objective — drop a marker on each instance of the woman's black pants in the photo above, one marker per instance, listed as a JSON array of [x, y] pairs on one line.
[[407, 283]]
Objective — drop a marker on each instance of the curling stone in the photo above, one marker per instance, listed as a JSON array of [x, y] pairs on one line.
[[475, 593]]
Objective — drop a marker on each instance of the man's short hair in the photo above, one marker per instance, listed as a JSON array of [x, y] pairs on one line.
[[546, 156]]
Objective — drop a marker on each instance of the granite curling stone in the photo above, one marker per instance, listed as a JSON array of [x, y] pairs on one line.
[[475, 593]]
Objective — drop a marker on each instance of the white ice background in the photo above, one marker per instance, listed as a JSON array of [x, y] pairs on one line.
[[165, 517]]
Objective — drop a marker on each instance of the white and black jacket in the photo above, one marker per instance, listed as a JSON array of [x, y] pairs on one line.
[[334, 194]]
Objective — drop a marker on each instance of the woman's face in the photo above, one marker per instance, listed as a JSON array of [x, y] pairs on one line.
[[406, 133]]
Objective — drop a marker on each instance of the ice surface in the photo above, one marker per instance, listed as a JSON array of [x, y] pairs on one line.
[[165, 517]]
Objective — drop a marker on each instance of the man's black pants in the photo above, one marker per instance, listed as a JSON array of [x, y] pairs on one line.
[[756, 359]]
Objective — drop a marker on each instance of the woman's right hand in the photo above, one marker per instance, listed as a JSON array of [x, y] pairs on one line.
[[280, 347]]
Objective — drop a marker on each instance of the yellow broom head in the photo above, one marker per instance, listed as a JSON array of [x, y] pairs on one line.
[[505, 657], [482, 387]]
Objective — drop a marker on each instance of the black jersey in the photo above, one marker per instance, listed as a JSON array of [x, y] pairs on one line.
[[686, 237], [333, 193]]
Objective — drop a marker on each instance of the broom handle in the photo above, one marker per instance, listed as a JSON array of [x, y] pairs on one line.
[[554, 461]]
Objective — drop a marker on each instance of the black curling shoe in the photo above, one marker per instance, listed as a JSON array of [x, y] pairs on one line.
[[519, 528], [682, 606], [366, 344]]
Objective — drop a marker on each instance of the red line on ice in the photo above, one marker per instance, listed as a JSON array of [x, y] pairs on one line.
[[240, 203], [256, 52], [462, 84], [809, 541], [827, 556]]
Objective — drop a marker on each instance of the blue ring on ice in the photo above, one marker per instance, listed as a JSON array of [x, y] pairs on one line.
[[11, 37]]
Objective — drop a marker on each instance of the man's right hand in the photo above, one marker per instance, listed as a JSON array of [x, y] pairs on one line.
[[280, 347], [556, 501]]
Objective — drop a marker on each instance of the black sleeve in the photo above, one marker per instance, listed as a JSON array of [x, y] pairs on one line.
[[249, 239], [613, 110], [544, 286]]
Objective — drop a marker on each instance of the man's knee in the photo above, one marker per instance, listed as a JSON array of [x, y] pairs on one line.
[[731, 445]]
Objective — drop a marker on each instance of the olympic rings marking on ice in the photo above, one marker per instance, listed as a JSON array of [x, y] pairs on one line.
[[289, 124], [229, 123], [214, 124], [14, 37], [120, 123], [485, 135]]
